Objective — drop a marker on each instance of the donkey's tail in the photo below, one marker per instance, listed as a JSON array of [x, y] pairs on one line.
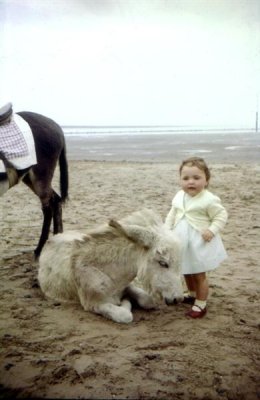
[[64, 175]]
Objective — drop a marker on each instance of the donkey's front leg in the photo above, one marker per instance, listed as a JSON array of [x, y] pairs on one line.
[[140, 296], [120, 314]]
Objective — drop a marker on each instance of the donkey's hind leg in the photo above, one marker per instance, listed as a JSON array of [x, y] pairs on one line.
[[47, 218], [45, 193], [51, 211], [57, 213]]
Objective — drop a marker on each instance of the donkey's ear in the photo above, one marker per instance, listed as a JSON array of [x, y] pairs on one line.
[[138, 234]]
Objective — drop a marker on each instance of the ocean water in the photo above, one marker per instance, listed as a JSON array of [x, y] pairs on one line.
[[148, 130], [161, 144]]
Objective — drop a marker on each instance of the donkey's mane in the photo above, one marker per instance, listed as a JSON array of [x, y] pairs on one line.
[[145, 218]]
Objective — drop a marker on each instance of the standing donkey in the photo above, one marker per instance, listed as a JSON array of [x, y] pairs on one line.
[[50, 148]]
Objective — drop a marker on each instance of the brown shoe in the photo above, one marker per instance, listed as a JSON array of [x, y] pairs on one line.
[[196, 314], [189, 299]]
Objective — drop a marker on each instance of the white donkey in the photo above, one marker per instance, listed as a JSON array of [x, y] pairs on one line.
[[98, 268]]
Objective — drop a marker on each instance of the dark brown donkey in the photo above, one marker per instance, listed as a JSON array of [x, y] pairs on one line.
[[50, 148]]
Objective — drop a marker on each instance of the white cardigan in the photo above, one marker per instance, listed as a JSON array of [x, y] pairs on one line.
[[203, 211]]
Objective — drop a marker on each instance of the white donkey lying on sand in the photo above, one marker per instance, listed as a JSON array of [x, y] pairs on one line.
[[97, 269]]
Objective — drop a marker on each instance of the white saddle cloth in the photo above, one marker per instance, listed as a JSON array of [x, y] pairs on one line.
[[17, 143]]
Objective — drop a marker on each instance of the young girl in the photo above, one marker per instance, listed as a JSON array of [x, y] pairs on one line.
[[197, 216]]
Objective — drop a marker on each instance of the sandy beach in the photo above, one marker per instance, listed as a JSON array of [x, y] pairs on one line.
[[52, 350]]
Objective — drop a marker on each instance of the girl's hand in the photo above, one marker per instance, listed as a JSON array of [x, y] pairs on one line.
[[207, 235]]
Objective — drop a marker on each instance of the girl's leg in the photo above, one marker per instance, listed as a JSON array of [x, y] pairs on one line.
[[202, 289], [190, 283], [189, 298], [201, 286]]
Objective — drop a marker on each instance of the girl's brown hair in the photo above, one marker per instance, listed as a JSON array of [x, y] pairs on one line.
[[196, 162]]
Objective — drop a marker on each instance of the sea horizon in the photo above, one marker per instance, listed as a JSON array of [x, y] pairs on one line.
[[83, 130]]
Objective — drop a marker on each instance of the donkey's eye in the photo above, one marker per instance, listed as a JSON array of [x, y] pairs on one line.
[[163, 264]]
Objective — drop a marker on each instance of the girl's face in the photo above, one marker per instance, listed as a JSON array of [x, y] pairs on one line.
[[193, 180]]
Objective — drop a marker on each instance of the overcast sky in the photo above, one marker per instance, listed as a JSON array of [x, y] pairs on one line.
[[132, 62]]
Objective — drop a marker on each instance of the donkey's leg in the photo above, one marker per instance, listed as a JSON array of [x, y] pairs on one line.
[[142, 298], [95, 290], [47, 217], [44, 191], [126, 304], [57, 213], [120, 314]]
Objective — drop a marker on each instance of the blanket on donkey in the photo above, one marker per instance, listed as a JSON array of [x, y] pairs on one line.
[[17, 143]]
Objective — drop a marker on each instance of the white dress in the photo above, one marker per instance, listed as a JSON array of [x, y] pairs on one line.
[[198, 255]]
